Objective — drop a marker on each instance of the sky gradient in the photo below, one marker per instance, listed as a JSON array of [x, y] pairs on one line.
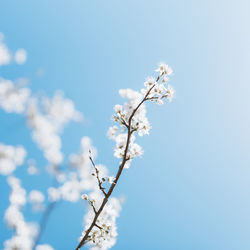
[[191, 189]]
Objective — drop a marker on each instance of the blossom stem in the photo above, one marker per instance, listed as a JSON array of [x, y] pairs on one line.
[[99, 227], [43, 222], [97, 175]]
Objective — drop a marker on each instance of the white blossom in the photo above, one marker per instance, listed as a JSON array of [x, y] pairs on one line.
[[61, 110], [170, 93], [105, 236], [25, 233], [5, 56], [10, 158], [54, 194], [36, 198], [32, 167], [164, 69], [20, 56], [85, 197], [46, 117], [12, 97], [133, 113], [80, 179], [47, 122], [112, 132], [111, 179], [150, 81], [44, 247]]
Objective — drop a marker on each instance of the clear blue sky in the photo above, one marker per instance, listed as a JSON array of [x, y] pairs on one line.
[[191, 189]]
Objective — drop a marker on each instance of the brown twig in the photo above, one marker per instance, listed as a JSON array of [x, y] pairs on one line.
[[99, 227], [130, 131], [91, 203], [97, 175]]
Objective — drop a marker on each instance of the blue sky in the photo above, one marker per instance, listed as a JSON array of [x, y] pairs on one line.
[[190, 190]]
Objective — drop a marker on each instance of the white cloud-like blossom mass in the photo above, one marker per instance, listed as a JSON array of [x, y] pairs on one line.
[[10, 158], [20, 56]]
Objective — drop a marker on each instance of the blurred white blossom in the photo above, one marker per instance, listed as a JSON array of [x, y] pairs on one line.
[[12, 97], [5, 56], [25, 233], [32, 168], [20, 56], [44, 247], [36, 198], [80, 178], [47, 120], [10, 158]]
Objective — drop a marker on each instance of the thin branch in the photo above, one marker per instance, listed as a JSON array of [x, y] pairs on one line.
[[124, 122], [97, 175], [92, 205], [121, 167], [43, 222], [99, 227]]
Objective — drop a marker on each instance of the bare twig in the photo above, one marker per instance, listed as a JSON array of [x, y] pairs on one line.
[[92, 205], [43, 222], [99, 227], [97, 175]]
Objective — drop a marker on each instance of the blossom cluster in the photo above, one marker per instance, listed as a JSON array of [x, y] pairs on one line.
[[36, 198], [12, 97], [82, 178], [46, 120], [104, 234], [132, 114], [78, 179], [131, 117], [6, 56], [25, 232], [46, 117], [10, 158]]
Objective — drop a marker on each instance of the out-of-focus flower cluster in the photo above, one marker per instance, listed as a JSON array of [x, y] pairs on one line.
[[83, 178], [12, 97], [46, 117], [46, 120], [78, 179], [6, 56], [25, 232], [10, 158]]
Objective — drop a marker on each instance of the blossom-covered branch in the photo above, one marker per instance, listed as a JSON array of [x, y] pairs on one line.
[[132, 117]]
